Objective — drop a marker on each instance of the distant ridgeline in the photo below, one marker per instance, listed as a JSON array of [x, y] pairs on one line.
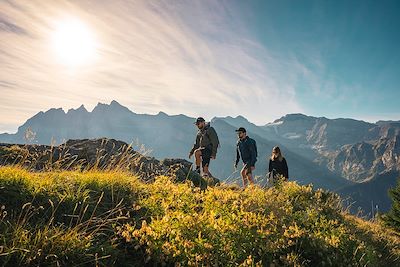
[[354, 158]]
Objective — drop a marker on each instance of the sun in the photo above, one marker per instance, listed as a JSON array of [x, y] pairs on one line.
[[73, 42]]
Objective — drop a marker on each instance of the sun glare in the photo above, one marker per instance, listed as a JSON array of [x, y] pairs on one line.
[[73, 43]]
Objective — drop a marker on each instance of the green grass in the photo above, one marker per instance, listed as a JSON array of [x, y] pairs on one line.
[[71, 218]]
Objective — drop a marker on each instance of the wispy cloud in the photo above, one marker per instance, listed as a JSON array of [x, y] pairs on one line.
[[192, 57], [6, 26]]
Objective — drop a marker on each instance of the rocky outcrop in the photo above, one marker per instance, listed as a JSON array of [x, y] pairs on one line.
[[102, 154]]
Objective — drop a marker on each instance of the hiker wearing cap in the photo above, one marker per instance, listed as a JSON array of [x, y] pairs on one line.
[[277, 165], [246, 149], [205, 147]]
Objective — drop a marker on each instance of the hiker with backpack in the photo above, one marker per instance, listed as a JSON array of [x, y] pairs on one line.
[[277, 166], [246, 148], [205, 146]]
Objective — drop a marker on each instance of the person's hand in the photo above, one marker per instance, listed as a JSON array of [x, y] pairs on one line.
[[235, 166], [190, 155], [214, 157]]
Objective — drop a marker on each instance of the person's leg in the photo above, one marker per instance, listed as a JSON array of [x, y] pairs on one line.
[[205, 158], [206, 170], [243, 173], [249, 175], [197, 155], [206, 165]]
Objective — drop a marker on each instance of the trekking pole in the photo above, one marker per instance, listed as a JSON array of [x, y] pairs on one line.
[[190, 169]]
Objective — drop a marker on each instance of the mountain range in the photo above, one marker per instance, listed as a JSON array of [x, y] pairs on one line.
[[357, 159]]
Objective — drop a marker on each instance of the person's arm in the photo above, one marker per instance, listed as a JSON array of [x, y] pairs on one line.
[[270, 166], [237, 156], [285, 169], [196, 145], [214, 141]]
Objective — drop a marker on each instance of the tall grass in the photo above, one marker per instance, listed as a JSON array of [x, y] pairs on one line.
[[112, 218], [49, 158], [62, 218], [95, 155]]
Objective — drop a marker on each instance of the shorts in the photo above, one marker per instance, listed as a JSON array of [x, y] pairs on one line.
[[205, 156], [247, 166]]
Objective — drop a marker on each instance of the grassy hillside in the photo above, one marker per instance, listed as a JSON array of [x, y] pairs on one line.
[[68, 218]]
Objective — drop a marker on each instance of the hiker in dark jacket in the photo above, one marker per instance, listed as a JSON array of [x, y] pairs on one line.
[[246, 149], [205, 147], [277, 165]]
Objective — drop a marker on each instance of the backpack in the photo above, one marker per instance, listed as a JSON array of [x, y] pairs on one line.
[[218, 144]]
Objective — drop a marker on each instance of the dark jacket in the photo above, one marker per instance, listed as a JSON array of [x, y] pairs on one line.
[[207, 138], [279, 166], [247, 149]]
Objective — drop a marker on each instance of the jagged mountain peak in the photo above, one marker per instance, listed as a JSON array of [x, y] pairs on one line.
[[55, 111], [114, 103], [51, 113], [100, 106], [81, 109], [235, 121], [113, 106], [294, 117], [240, 117], [163, 114]]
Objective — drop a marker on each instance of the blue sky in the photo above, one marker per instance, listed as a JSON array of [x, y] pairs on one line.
[[351, 49], [260, 59]]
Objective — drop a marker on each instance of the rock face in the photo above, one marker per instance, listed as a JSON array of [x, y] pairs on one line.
[[366, 160], [354, 161], [363, 161], [103, 154], [356, 150], [321, 134]]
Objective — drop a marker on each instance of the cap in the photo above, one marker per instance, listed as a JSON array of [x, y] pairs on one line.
[[199, 119], [241, 129]]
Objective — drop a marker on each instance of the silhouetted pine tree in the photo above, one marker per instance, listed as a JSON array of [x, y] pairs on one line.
[[392, 218]]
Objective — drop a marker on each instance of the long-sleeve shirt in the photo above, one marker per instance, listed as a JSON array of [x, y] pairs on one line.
[[247, 150], [280, 167], [206, 137]]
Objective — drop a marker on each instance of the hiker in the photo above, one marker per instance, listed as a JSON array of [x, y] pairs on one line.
[[246, 149], [205, 147], [277, 165]]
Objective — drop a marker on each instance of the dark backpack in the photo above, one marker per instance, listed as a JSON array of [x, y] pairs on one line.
[[218, 143]]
